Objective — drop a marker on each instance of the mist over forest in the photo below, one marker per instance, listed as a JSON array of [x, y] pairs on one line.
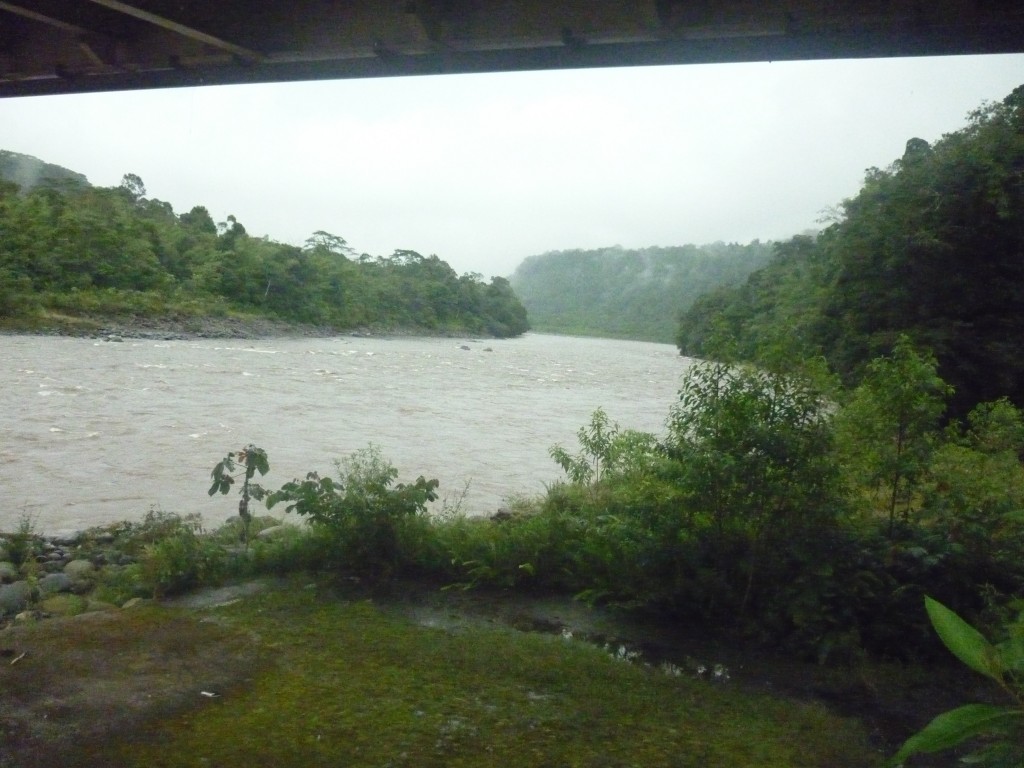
[[628, 293]]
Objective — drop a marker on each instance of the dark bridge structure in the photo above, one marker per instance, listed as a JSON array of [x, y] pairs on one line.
[[77, 46]]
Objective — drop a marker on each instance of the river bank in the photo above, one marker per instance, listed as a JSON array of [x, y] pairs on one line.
[[170, 328], [82, 597]]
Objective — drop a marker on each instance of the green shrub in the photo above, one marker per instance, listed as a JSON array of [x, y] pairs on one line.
[[180, 562], [116, 584], [757, 469], [527, 551], [298, 549], [362, 512], [23, 544]]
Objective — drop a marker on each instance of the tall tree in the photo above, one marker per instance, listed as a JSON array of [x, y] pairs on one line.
[[887, 431]]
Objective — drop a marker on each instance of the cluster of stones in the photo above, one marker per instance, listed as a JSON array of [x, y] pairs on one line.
[[62, 575], [60, 567]]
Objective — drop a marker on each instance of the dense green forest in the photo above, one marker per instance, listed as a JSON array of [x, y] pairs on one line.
[[931, 247], [71, 249], [622, 293]]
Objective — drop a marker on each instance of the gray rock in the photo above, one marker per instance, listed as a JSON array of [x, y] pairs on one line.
[[52, 583], [67, 539], [14, 597], [8, 572], [80, 570], [82, 574]]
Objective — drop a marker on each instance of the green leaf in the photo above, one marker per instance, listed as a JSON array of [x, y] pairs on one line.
[[955, 727], [963, 640]]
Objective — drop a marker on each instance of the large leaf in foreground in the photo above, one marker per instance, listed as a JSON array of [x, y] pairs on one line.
[[955, 727], [964, 641]]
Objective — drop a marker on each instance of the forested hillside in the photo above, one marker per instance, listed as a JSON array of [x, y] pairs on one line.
[[636, 294], [931, 247], [71, 250], [30, 172]]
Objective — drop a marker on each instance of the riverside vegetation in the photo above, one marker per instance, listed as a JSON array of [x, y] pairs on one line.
[[930, 247], [851, 447], [74, 257], [777, 510]]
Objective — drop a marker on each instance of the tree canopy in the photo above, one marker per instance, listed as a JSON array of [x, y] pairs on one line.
[[80, 249], [931, 247]]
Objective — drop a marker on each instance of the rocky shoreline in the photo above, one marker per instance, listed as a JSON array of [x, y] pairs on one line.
[[209, 327], [42, 576]]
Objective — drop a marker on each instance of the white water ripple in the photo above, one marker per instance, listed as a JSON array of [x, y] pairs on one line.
[[142, 424]]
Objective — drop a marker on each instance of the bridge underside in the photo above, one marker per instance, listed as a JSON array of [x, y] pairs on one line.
[[69, 46]]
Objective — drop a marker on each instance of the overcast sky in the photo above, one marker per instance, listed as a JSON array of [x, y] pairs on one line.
[[484, 170]]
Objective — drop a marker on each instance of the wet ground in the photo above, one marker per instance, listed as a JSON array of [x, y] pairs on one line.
[[71, 681]]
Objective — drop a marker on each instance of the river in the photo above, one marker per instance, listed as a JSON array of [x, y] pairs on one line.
[[93, 432]]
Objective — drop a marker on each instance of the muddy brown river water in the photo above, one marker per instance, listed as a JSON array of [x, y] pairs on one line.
[[96, 431]]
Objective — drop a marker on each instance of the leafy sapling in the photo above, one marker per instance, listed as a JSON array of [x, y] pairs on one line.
[[606, 450], [252, 460]]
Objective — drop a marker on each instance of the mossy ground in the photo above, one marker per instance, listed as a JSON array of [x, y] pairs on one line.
[[343, 682], [90, 677]]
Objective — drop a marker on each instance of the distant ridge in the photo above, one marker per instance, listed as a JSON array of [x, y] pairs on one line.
[[628, 293], [30, 172]]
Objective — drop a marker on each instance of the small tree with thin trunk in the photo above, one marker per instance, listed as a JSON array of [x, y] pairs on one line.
[[887, 431], [251, 460]]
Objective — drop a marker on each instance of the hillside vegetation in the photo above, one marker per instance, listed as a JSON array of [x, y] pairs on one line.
[[931, 247], [70, 249], [29, 172], [621, 293]]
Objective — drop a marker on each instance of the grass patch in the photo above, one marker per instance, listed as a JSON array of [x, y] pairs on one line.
[[346, 683], [93, 676]]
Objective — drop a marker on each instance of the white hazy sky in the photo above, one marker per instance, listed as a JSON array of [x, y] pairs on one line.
[[484, 170]]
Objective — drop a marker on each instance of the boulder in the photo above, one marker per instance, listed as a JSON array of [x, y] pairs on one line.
[[8, 572], [52, 583], [82, 574], [14, 597], [67, 539], [80, 570]]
